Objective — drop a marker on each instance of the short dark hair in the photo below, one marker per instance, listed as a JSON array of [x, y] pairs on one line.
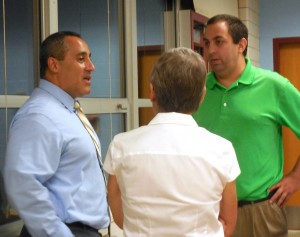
[[178, 79], [236, 28], [54, 46]]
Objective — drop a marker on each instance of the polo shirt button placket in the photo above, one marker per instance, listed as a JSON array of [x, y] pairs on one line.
[[225, 99]]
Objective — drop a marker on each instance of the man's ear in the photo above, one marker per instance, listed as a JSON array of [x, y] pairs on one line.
[[242, 45], [53, 64]]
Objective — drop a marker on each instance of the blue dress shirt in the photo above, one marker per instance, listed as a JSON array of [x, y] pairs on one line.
[[52, 174]]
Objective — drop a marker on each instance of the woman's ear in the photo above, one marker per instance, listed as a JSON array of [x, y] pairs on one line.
[[152, 93], [153, 99], [203, 95]]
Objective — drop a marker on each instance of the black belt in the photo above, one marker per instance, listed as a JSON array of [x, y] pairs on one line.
[[25, 233], [242, 203], [81, 226]]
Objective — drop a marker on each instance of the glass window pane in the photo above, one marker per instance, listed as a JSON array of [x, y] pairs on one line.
[[19, 46], [150, 45], [6, 213], [17, 77], [90, 19], [106, 127], [150, 31]]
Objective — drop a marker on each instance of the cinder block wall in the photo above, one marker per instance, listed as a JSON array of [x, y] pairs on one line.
[[249, 14]]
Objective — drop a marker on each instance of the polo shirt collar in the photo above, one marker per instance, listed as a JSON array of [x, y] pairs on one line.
[[246, 78]]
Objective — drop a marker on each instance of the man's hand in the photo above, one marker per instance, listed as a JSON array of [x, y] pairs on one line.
[[285, 188]]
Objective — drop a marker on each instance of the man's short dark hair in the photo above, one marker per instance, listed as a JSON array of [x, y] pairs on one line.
[[54, 46]]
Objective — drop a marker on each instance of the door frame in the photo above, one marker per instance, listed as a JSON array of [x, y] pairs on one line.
[[293, 215], [277, 42]]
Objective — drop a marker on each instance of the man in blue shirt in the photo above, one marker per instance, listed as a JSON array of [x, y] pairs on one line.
[[52, 173]]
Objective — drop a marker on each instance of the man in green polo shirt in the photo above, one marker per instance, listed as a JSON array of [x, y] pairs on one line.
[[248, 106]]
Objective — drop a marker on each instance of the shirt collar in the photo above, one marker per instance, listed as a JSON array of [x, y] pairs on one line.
[[173, 118], [62, 96], [246, 78]]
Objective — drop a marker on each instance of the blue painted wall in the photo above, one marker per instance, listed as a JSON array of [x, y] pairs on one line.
[[278, 19]]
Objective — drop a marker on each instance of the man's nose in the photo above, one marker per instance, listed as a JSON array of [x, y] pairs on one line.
[[211, 48], [90, 66]]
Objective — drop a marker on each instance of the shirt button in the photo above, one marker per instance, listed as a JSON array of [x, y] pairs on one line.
[[225, 104]]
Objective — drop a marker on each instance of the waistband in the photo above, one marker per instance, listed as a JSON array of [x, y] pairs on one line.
[[242, 203], [25, 233], [81, 226]]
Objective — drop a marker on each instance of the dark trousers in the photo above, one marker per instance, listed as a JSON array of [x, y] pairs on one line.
[[78, 231]]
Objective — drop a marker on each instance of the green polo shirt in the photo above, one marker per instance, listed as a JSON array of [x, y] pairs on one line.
[[250, 114]]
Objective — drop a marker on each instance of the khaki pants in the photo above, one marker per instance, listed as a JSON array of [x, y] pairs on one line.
[[261, 220]]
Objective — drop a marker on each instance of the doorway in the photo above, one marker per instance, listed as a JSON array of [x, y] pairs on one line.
[[147, 56], [286, 53]]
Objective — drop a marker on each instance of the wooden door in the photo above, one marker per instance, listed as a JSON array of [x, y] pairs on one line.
[[147, 56], [286, 62]]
